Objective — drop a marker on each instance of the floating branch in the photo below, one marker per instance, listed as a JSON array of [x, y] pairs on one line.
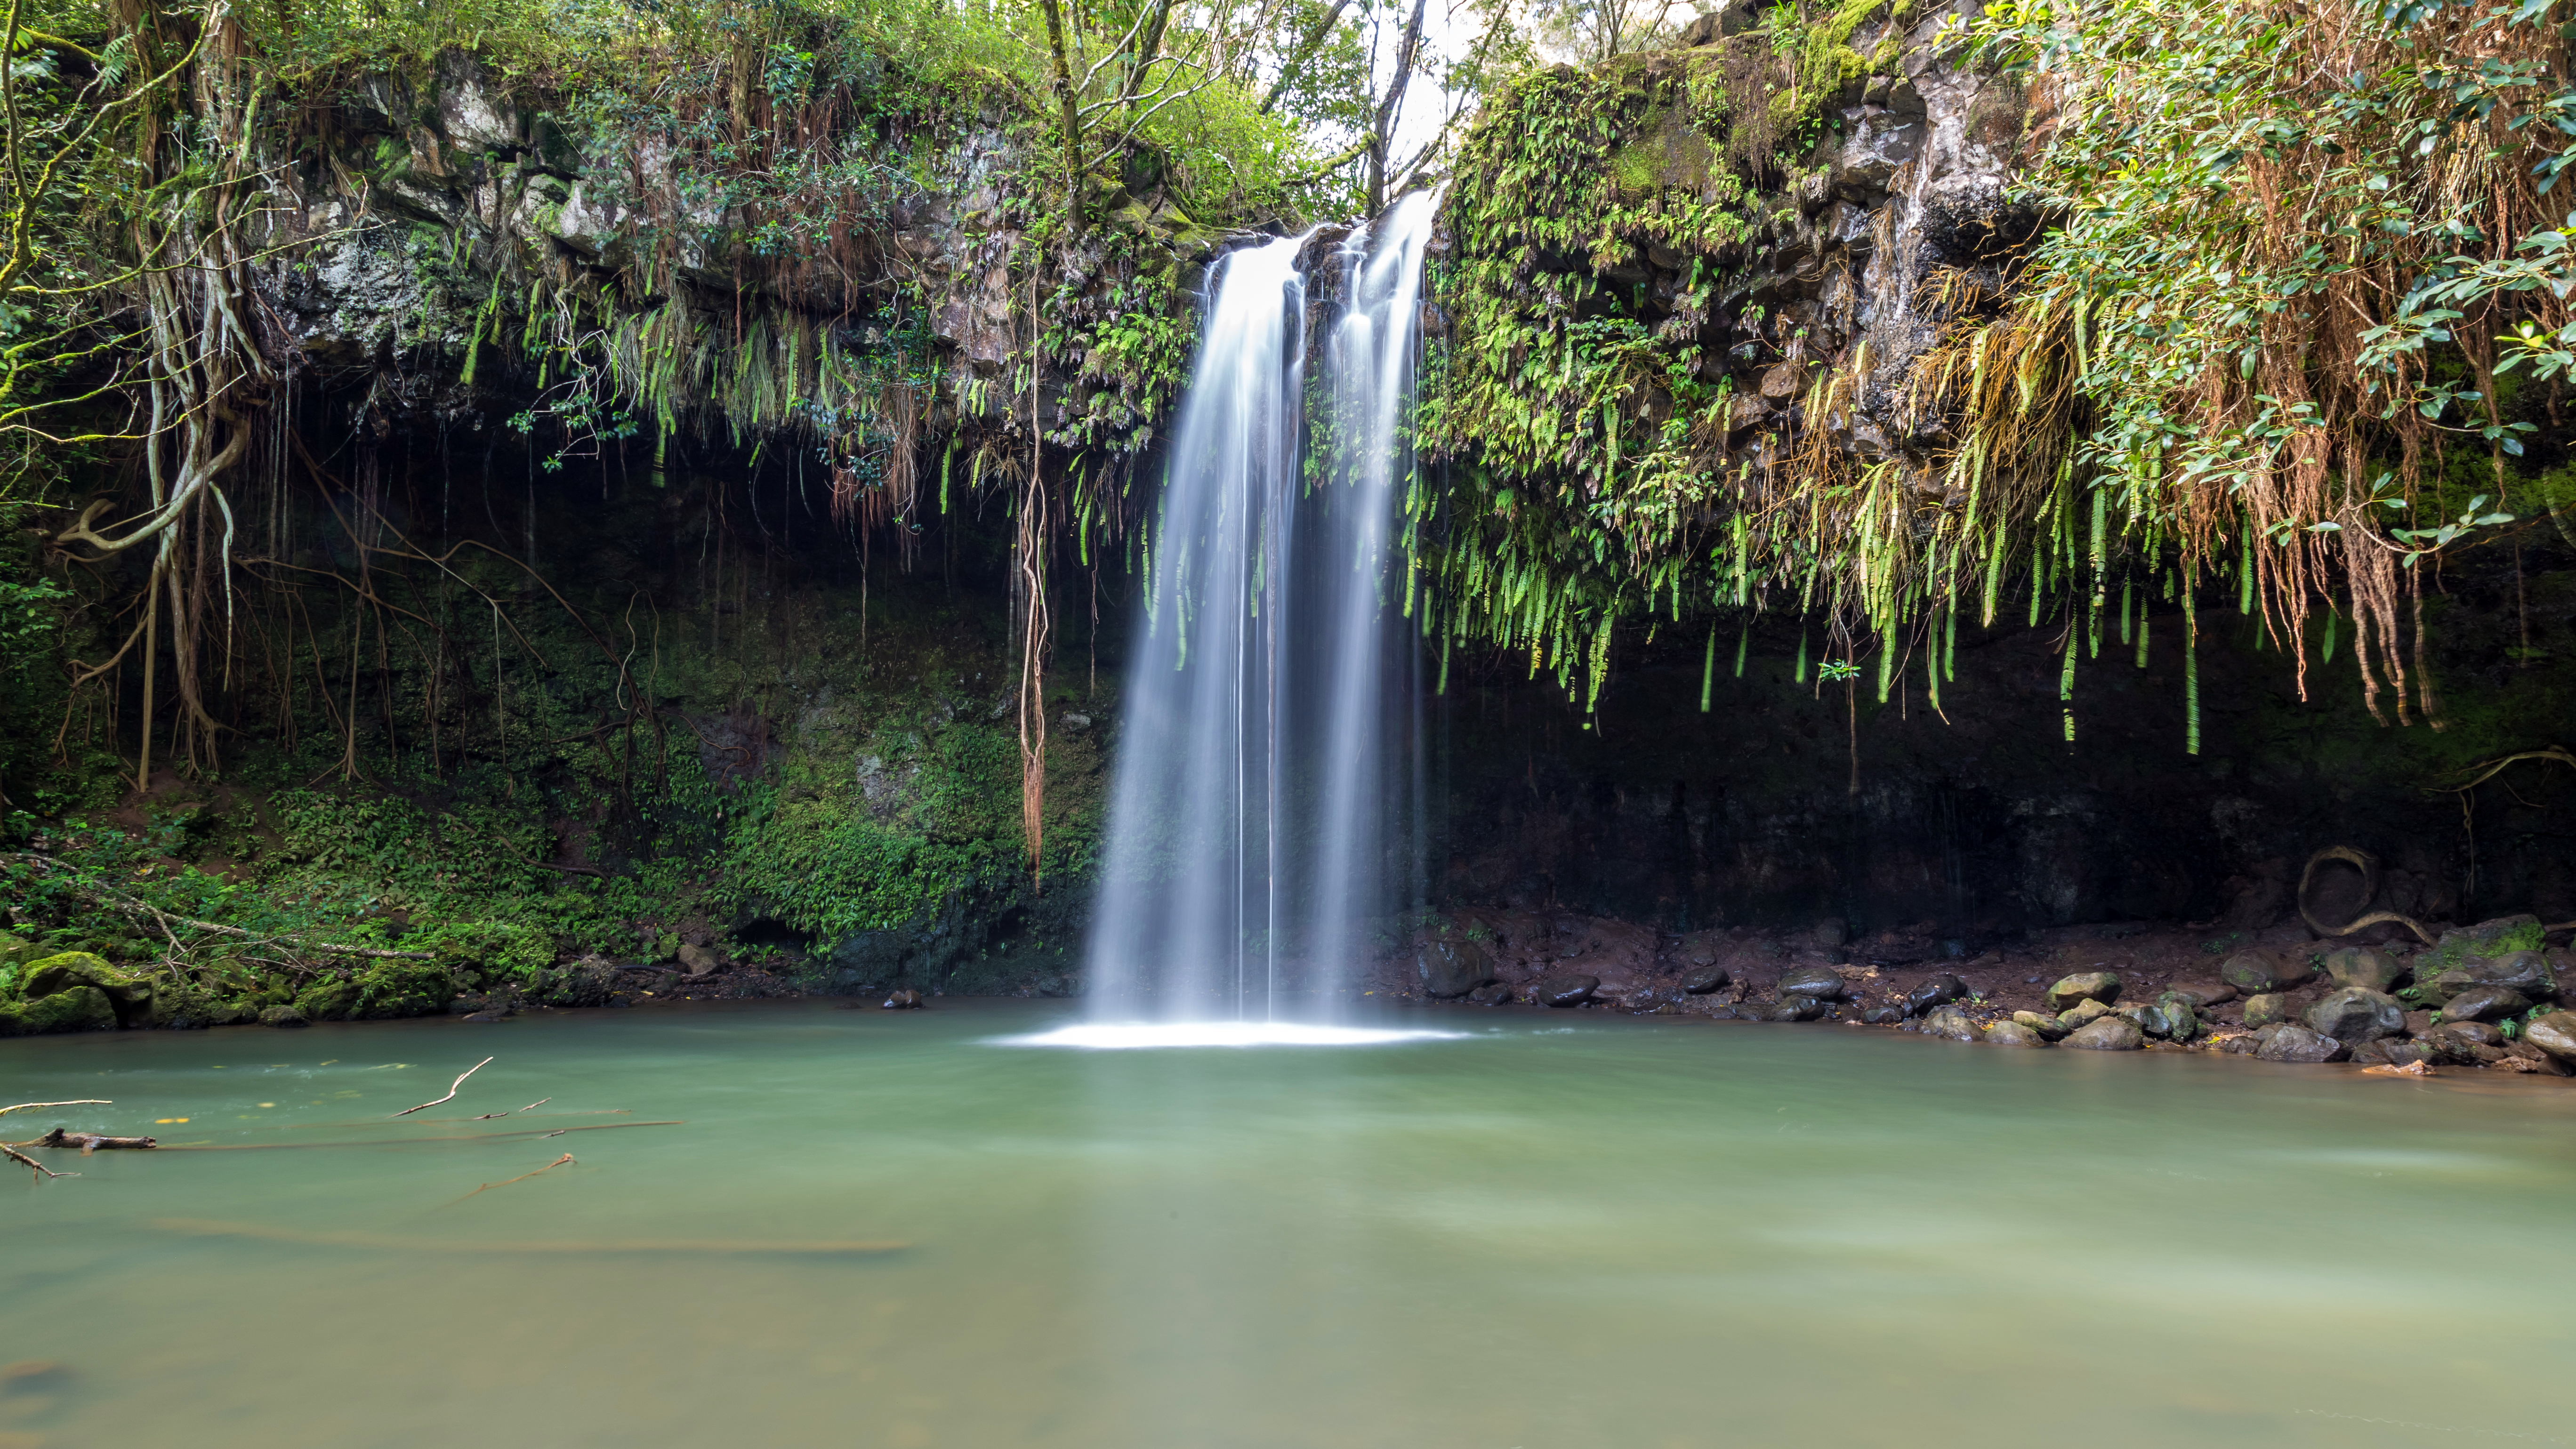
[[451, 1088], [522, 1177], [89, 1142]]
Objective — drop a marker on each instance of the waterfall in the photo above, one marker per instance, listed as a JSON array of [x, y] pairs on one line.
[[1249, 822]]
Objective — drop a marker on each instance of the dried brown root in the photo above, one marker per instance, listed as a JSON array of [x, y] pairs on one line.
[[2368, 865]]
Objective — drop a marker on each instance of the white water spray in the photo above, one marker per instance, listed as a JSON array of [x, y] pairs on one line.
[[1248, 828]]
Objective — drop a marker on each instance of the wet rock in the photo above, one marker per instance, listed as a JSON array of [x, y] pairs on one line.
[[1451, 969], [2049, 1027], [1939, 991], [2266, 1009], [1952, 1023], [698, 960], [1569, 988], [487, 1016], [2295, 1043], [1821, 982], [2101, 986], [2367, 967], [2258, 972], [2083, 1014], [2202, 993], [2419, 1022], [2524, 971], [2376, 1053], [2354, 1015], [2242, 1044], [2485, 1003], [2109, 1034], [2540, 1061], [2013, 1034], [2174, 1019], [1884, 1016], [1493, 995], [1794, 1008], [2554, 1034], [904, 1000], [1705, 980], [2475, 1033], [2401, 1053], [282, 1016]]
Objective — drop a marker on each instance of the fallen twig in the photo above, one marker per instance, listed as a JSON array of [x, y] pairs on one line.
[[23, 1160], [451, 1088], [522, 1177], [206, 1228], [82, 1102]]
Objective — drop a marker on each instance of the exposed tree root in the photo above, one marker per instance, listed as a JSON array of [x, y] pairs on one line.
[[2368, 865]]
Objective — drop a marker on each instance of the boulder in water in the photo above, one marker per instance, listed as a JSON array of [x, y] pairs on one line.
[[1795, 1008], [2049, 1027], [1951, 1023], [1883, 1016], [2108, 1034], [2554, 1034], [2013, 1034], [2082, 1014], [1494, 994], [1570, 988], [904, 1000], [2296, 1043]]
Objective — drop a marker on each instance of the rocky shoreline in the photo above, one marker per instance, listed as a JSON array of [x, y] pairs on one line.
[[2486, 996]]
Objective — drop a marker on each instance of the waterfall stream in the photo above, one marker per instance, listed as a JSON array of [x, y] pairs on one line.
[[1251, 823]]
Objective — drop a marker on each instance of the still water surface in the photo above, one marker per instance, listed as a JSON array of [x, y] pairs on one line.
[[1545, 1232]]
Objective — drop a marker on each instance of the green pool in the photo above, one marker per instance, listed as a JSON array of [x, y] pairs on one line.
[[1546, 1230]]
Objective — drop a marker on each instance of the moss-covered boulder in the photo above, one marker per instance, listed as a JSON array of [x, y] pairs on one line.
[[78, 1007], [328, 999], [129, 994], [401, 988]]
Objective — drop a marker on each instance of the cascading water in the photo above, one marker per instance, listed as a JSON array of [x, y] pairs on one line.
[[1247, 831]]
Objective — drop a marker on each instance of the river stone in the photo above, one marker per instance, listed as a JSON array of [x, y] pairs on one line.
[[1490, 995], [2451, 1044], [1451, 969], [2485, 1003], [2524, 971], [1883, 1016], [1570, 988], [2266, 1009], [2420, 1022], [2013, 1034], [1939, 991], [81, 1007], [2541, 1061], [2110, 1034], [1794, 1008], [1950, 1022], [2367, 967], [906, 999], [1831, 932], [2253, 972], [2049, 1027], [1820, 982], [698, 960], [2353, 1016], [2554, 1034], [2202, 993], [2295, 1043], [2404, 1053], [2181, 1022], [281, 1016], [2376, 1053], [2085, 986], [2083, 1013], [1705, 980], [2477, 1033]]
